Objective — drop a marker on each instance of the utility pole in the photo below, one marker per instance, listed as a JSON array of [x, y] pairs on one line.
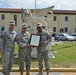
[[35, 4]]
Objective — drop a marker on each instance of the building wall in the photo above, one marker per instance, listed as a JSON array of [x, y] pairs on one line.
[[8, 17], [54, 23], [59, 23]]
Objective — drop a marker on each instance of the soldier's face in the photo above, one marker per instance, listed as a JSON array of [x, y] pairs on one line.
[[11, 27], [24, 29], [39, 29]]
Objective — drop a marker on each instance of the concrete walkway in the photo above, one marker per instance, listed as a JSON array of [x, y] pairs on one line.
[[51, 73], [55, 42]]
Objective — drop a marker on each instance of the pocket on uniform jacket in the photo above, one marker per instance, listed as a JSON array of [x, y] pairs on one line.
[[47, 47], [9, 36], [7, 49], [44, 37]]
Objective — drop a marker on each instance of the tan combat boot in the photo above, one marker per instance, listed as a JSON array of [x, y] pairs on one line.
[[6, 74], [28, 73], [40, 72], [47, 72], [21, 73]]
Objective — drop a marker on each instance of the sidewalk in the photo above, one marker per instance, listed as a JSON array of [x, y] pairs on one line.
[[55, 42], [51, 73]]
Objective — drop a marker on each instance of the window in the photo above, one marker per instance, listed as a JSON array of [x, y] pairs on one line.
[[75, 19], [66, 18], [75, 29], [54, 18], [61, 30], [15, 19], [60, 35], [54, 29], [3, 17], [66, 29]]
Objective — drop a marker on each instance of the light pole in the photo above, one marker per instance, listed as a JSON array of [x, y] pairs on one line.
[[35, 4]]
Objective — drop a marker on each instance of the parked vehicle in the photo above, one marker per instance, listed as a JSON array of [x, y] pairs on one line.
[[0, 34], [64, 36], [56, 37], [74, 35]]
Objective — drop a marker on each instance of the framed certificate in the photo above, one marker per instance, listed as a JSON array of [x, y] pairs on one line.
[[35, 39]]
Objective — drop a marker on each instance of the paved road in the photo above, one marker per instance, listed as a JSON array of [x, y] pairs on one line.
[[51, 73]]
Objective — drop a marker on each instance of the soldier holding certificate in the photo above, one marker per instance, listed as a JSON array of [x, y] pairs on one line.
[[24, 49], [43, 49]]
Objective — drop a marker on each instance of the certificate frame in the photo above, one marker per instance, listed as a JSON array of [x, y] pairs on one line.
[[34, 40]]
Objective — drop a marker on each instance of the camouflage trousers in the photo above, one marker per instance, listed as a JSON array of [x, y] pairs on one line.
[[43, 56], [7, 61], [24, 57]]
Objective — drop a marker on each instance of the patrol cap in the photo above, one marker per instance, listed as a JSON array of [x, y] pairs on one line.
[[38, 25], [24, 25], [12, 22]]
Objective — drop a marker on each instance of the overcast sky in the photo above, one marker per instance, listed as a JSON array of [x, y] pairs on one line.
[[30, 4]]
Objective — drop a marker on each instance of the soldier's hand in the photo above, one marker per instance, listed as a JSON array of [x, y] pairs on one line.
[[1, 52], [41, 43], [28, 46], [2, 36]]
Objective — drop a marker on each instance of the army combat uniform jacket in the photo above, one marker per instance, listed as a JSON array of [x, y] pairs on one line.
[[42, 51], [8, 50], [24, 52]]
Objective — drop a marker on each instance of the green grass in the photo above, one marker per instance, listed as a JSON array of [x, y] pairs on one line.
[[16, 49], [65, 56]]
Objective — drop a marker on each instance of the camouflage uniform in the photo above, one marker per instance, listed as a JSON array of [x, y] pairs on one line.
[[1, 42], [24, 52], [42, 51], [1, 45], [8, 51]]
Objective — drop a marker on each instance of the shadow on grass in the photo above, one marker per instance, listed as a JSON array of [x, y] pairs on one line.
[[0, 60], [34, 59], [16, 61], [67, 46]]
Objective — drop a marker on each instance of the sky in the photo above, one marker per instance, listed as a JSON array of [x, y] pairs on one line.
[[30, 4]]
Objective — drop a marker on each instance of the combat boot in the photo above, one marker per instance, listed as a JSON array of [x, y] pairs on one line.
[[21, 73], [27, 73], [6, 74], [47, 72], [40, 73]]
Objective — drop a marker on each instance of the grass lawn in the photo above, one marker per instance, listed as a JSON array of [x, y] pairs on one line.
[[65, 56]]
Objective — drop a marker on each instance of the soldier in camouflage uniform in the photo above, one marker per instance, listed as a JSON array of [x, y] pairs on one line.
[[1, 46], [1, 40], [24, 49], [43, 49], [8, 38]]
